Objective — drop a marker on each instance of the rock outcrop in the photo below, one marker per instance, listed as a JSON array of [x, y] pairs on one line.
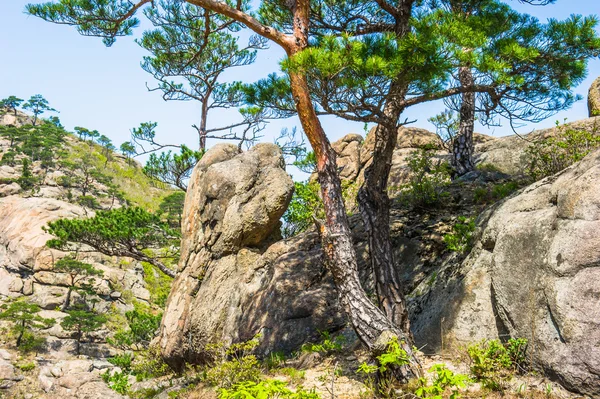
[[232, 211], [539, 247], [594, 99], [538, 259]]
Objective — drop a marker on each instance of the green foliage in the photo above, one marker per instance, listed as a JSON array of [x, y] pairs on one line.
[[443, 380], [142, 325], [27, 180], [117, 232], [149, 364], [8, 158], [37, 105], [264, 389], [233, 364], [117, 381], [553, 154], [493, 363], [496, 192], [157, 283], [296, 376], [428, 181], [304, 207], [122, 361], [25, 367], [307, 163], [327, 346], [24, 316], [460, 240], [446, 124], [81, 320], [11, 103], [394, 356], [171, 208], [172, 168]]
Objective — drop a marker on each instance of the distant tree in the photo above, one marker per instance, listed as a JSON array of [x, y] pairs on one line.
[[82, 132], [37, 105], [106, 143], [27, 180], [93, 134], [171, 208], [25, 317], [172, 168], [11, 103], [82, 321], [127, 149], [129, 232], [55, 120], [80, 274], [12, 133]]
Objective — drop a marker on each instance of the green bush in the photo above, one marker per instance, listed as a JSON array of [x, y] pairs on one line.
[[8, 158], [265, 389], [443, 381], [142, 325], [327, 345], [117, 381], [27, 180], [428, 181], [149, 364], [553, 154], [460, 240], [123, 361], [232, 364], [494, 363], [25, 367]]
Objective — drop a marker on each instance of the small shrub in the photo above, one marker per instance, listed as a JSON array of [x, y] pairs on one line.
[[157, 283], [327, 346], [27, 180], [553, 154], [428, 181], [233, 364], [149, 364], [493, 363], [8, 158], [117, 381], [264, 390], [443, 380], [25, 367], [460, 238], [123, 361]]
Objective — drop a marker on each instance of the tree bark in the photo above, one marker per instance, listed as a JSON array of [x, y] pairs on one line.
[[369, 322], [462, 146]]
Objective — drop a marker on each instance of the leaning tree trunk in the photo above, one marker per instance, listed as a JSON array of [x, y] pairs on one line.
[[462, 146], [369, 322]]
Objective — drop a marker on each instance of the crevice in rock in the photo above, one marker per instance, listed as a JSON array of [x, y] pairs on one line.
[[500, 315], [555, 323]]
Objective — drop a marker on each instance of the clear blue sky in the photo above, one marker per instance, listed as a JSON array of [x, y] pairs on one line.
[[105, 88]]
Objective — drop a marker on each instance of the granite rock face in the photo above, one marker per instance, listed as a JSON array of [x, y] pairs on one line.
[[232, 210]]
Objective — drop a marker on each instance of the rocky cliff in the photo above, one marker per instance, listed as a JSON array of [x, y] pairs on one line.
[[27, 265], [524, 277]]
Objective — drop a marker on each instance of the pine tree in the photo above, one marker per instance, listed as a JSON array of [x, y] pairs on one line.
[[128, 232], [25, 317], [82, 321], [11, 103], [38, 105], [80, 276]]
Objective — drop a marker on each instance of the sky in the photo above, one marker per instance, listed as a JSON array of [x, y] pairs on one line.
[[105, 88]]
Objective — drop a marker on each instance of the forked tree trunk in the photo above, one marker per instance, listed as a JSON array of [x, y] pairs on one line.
[[462, 147], [366, 318]]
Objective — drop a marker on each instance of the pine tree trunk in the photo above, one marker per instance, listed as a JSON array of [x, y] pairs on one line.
[[369, 322], [462, 147], [374, 204]]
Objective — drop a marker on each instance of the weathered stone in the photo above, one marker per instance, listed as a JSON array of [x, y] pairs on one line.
[[48, 297], [233, 206], [9, 189], [594, 99]]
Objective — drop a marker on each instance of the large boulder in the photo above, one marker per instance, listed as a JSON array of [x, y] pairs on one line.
[[535, 273], [594, 98], [232, 211]]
